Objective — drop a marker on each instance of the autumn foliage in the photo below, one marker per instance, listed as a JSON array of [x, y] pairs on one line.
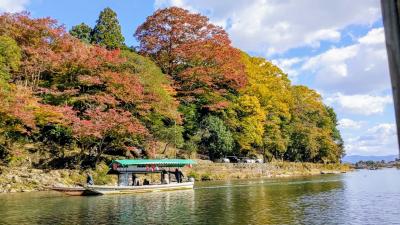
[[188, 88], [196, 53]]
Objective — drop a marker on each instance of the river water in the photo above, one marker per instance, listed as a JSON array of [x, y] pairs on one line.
[[360, 197]]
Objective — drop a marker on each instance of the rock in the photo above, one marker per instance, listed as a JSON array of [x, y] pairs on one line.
[[25, 175], [16, 179]]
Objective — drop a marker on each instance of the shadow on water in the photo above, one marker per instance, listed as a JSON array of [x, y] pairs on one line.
[[329, 199]]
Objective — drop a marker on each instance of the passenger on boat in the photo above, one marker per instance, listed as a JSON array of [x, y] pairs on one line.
[[178, 175], [89, 179], [164, 177], [135, 180]]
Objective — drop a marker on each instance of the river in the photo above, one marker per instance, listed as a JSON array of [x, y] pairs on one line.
[[360, 197]]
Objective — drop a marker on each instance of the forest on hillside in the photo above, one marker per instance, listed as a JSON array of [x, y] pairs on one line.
[[76, 98]]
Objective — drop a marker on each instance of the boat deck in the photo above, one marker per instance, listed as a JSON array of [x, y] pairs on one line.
[[103, 189]]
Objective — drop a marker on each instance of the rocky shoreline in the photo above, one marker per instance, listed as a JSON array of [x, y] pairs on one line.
[[24, 179], [225, 171]]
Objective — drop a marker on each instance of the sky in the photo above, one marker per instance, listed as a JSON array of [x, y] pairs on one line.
[[335, 47]]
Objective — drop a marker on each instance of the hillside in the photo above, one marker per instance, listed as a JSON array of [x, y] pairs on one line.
[[75, 99]]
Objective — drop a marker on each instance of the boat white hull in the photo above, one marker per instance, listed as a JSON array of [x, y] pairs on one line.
[[105, 190]]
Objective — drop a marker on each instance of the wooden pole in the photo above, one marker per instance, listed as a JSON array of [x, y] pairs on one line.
[[391, 22]]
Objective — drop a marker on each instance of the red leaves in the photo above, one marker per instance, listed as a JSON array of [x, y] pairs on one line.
[[195, 52], [167, 29], [48, 48], [212, 64], [101, 123], [126, 87]]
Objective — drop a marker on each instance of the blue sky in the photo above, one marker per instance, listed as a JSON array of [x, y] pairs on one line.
[[334, 47]]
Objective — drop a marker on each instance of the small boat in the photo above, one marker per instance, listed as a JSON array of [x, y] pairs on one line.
[[330, 172], [73, 191]]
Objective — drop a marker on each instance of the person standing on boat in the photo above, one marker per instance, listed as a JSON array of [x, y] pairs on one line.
[[164, 177], [178, 175], [135, 181], [89, 179]]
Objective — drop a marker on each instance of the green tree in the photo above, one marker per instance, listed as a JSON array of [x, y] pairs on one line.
[[107, 31], [10, 56], [335, 134], [216, 140], [82, 32], [313, 129]]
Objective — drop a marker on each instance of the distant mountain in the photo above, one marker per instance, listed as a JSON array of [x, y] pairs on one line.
[[356, 158]]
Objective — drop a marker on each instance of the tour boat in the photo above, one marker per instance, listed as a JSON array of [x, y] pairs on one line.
[[128, 170], [104, 190]]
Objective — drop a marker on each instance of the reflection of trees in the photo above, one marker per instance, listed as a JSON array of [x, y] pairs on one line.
[[288, 201], [263, 203], [148, 208]]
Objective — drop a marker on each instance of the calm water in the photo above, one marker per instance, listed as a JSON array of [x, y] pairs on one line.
[[361, 197]]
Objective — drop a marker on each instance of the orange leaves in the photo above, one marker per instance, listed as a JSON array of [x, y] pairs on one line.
[[126, 87], [167, 29], [101, 123], [195, 52], [19, 104], [212, 64]]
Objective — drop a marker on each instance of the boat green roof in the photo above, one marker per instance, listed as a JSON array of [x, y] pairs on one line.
[[156, 162]]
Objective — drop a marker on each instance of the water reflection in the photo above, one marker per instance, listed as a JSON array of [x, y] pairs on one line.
[[363, 197]]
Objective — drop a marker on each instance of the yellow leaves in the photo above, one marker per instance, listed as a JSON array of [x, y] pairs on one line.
[[270, 85], [249, 121], [45, 114]]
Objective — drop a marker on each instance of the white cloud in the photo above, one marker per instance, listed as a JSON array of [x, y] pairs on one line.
[[287, 64], [360, 104], [13, 5], [374, 36], [359, 68], [350, 124], [378, 140], [274, 26]]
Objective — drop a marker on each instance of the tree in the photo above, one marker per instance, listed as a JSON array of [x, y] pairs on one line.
[[271, 87], [312, 129], [10, 54], [247, 120], [196, 53], [104, 130], [82, 32], [107, 31], [216, 139], [162, 34]]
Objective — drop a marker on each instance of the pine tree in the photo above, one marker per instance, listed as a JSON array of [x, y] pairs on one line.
[[107, 31], [82, 32]]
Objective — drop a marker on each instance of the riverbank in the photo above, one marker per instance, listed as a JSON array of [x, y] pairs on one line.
[[205, 170], [24, 179]]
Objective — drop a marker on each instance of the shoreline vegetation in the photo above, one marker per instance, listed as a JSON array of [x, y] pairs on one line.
[[25, 179], [73, 101]]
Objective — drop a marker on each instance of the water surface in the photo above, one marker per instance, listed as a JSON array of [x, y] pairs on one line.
[[361, 197]]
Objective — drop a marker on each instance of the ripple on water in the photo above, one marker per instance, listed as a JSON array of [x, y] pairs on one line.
[[362, 197]]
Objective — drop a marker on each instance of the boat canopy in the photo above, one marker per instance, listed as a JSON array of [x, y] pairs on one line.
[[154, 162]]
